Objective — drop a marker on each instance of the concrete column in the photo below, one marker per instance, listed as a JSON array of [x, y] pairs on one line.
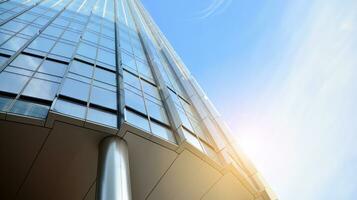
[[113, 182]]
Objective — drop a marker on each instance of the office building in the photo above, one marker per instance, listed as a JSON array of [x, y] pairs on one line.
[[96, 104]]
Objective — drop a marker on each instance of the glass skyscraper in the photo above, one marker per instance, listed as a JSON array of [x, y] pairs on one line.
[[96, 104]]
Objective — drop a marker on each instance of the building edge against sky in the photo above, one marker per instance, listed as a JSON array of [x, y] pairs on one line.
[[74, 72]]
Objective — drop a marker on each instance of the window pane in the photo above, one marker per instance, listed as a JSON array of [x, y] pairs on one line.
[[87, 50], [134, 101], [3, 60], [91, 37], [102, 117], [81, 68], [75, 89], [41, 89], [13, 26], [12, 83], [104, 98], [26, 62], [210, 152], [30, 109], [4, 37], [192, 140], [19, 71], [14, 44], [106, 57], [107, 43], [53, 31], [184, 119], [30, 30], [105, 76], [131, 80], [71, 36], [150, 89], [128, 61], [53, 68], [70, 108], [63, 49], [42, 44], [4, 103], [157, 112], [137, 120], [162, 132], [144, 70]]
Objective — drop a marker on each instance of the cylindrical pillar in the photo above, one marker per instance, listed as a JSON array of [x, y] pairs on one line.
[[113, 181]]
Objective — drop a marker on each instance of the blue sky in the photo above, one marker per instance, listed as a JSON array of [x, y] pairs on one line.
[[283, 74]]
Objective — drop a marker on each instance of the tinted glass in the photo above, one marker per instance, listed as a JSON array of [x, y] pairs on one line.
[[26, 62], [75, 89], [41, 89], [137, 120], [105, 76], [42, 44], [134, 101], [162, 132], [87, 50], [81, 68], [53, 68], [102, 117], [157, 112], [63, 49], [104, 98], [70, 108], [30, 109], [14, 44], [12, 83]]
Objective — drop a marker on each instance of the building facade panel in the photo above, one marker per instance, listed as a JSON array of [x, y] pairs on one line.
[[105, 65]]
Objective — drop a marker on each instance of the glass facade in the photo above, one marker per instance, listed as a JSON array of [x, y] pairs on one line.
[[99, 61]]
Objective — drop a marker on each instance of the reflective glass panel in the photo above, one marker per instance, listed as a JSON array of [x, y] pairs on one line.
[[12, 83], [4, 103], [42, 44], [81, 68], [192, 140], [162, 132], [131, 80], [26, 62], [41, 89], [104, 98], [75, 89], [53, 68], [63, 49], [105, 76], [137, 120], [14, 44], [134, 101], [102, 117], [156, 111], [70, 108], [87, 50], [30, 109]]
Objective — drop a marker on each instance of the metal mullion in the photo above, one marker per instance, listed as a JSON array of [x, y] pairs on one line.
[[92, 78], [160, 83], [20, 13], [119, 71], [70, 64], [21, 49], [27, 25], [33, 37]]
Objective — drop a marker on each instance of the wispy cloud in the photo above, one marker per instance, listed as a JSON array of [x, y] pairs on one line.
[[216, 7], [301, 132]]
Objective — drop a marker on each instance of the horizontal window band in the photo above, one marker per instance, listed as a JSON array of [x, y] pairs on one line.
[[92, 105], [36, 100], [74, 100], [7, 94]]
